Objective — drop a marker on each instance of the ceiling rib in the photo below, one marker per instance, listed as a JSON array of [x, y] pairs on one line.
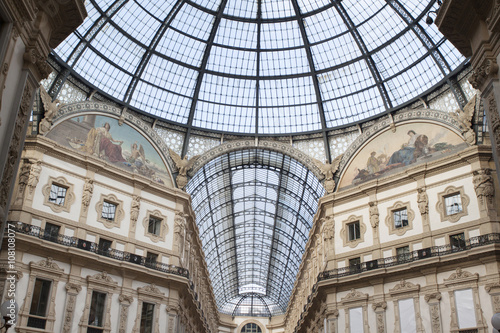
[[201, 73], [149, 51], [314, 77], [366, 54]]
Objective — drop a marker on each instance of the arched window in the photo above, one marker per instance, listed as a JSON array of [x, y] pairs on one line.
[[251, 328]]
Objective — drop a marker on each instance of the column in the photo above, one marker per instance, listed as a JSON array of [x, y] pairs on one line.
[[72, 290]]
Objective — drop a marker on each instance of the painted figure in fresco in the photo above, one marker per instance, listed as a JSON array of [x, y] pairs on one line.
[[101, 143], [414, 148], [373, 164]]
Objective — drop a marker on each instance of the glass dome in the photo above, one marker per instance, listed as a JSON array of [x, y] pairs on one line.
[[260, 67]]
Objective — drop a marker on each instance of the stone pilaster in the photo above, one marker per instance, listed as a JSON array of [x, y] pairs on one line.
[[125, 301], [379, 309], [72, 290], [433, 300]]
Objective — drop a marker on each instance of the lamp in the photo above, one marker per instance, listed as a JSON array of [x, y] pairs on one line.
[[495, 321], [8, 311], [429, 19]]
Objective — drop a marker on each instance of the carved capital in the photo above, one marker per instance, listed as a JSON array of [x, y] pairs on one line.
[[379, 306], [433, 297], [125, 300], [73, 288], [488, 68]]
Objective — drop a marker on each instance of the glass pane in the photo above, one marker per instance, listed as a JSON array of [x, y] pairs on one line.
[[453, 204], [147, 316], [108, 211], [96, 315], [39, 302], [400, 218], [154, 225], [57, 194]]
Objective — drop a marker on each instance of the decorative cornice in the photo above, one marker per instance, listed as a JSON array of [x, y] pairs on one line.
[[102, 278], [354, 296], [461, 277], [151, 290], [47, 265], [404, 287]]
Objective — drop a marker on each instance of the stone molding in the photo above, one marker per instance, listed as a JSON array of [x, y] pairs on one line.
[[69, 197], [389, 220], [119, 212], [441, 207], [404, 289], [344, 232], [163, 226]]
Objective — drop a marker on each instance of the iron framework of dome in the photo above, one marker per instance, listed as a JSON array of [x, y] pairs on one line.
[[258, 68]]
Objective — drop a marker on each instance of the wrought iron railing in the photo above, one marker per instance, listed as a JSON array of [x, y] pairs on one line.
[[435, 251], [38, 232]]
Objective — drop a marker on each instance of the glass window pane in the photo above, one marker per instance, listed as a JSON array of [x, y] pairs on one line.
[[147, 316], [108, 211], [96, 315], [453, 204], [400, 218], [57, 194], [40, 300]]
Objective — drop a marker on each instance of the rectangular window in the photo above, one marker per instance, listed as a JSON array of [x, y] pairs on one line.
[[51, 232], [407, 314], [403, 253], [151, 259], [108, 211], [400, 218], [147, 316], [356, 320], [57, 194], [464, 301], [355, 265], [453, 204], [154, 225], [96, 314], [39, 304], [354, 231], [104, 246], [457, 242]]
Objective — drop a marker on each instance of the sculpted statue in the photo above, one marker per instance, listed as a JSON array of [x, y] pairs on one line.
[[50, 108], [374, 214], [423, 201], [183, 165], [328, 170], [24, 175], [483, 184], [88, 189], [34, 175], [464, 120], [134, 209], [179, 227]]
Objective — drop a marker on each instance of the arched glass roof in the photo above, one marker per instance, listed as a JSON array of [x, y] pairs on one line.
[[254, 209], [260, 67]]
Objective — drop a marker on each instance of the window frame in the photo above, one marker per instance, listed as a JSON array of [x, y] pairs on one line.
[[441, 204], [103, 283], [69, 197], [390, 222], [163, 226], [119, 212], [344, 232], [37, 316], [50, 237], [459, 248], [45, 269]]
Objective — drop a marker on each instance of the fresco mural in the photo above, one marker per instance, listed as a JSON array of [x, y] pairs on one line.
[[390, 152], [122, 146]]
